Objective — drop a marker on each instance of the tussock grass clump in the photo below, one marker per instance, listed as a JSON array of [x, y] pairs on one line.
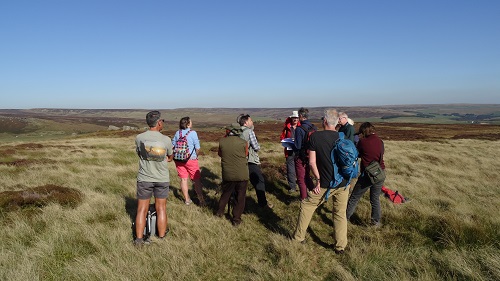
[[40, 196]]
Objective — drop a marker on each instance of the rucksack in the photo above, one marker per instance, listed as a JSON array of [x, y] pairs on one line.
[[181, 148], [304, 149], [344, 156], [394, 196], [150, 228], [347, 156]]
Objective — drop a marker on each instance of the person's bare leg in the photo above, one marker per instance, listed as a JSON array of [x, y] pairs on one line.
[[184, 189], [161, 216], [140, 218]]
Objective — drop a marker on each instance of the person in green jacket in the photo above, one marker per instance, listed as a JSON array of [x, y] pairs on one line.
[[233, 152]]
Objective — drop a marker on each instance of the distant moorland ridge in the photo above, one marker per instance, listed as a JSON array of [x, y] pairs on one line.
[[54, 121], [388, 111]]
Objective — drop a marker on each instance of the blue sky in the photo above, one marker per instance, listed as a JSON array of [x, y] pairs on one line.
[[253, 53]]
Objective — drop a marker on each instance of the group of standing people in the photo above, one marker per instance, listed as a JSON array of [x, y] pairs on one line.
[[308, 155], [240, 163], [155, 150], [318, 146]]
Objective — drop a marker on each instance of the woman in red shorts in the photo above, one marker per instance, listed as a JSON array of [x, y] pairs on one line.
[[190, 168]]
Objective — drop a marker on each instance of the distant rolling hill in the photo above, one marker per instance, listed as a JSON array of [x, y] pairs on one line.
[[19, 121]]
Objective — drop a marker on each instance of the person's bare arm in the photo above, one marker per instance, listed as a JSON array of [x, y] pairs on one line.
[[314, 170]]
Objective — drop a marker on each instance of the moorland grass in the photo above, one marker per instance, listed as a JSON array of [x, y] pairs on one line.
[[449, 231]]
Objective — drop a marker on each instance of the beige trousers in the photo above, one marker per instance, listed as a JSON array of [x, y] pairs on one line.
[[339, 196]]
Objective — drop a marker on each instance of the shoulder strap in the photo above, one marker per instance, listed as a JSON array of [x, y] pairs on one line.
[[341, 135], [308, 129], [381, 150], [180, 133], [190, 154], [303, 127]]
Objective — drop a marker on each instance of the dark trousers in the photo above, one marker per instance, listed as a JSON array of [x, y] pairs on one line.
[[257, 180], [240, 190], [290, 172], [362, 185], [303, 172]]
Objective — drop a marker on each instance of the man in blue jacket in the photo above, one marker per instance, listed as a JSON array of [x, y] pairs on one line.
[[302, 169]]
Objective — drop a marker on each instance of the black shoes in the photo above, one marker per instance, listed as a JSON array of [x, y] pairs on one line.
[[339, 252]]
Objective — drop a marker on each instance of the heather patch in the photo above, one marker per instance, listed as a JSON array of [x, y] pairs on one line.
[[40, 196]]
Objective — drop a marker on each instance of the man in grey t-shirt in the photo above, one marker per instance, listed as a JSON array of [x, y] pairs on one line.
[[154, 150]]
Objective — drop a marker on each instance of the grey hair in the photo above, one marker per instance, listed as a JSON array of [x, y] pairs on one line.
[[331, 116]]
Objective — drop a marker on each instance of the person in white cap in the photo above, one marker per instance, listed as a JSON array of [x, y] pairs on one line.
[[288, 131]]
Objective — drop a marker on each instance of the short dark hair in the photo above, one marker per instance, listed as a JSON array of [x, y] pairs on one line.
[[304, 112], [152, 118], [366, 129], [242, 119], [183, 124]]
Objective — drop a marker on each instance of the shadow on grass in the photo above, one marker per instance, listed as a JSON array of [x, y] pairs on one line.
[[356, 220], [325, 213], [318, 240], [266, 216], [281, 193], [131, 207], [209, 179]]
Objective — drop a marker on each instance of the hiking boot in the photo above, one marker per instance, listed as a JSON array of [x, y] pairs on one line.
[[339, 252], [166, 232], [205, 202], [188, 202], [375, 224], [268, 205], [139, 242]]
